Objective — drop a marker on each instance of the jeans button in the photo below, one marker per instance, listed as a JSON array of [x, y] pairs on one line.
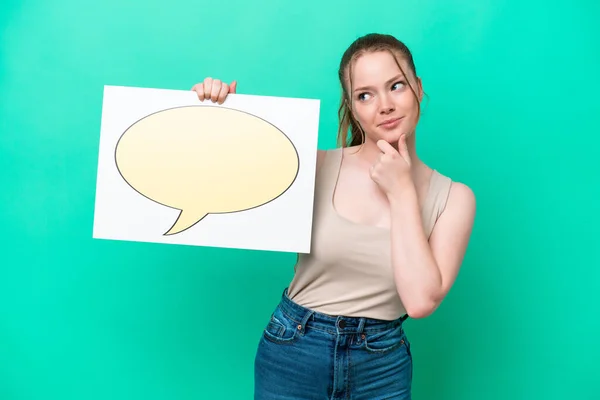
[[342, 324]]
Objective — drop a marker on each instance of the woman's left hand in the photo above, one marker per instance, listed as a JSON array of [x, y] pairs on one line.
[[392, 170]]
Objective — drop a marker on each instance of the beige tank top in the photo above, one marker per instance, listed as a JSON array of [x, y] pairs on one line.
[[349, 271]]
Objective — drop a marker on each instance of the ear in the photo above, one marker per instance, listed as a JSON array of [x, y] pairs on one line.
[[420, 89]]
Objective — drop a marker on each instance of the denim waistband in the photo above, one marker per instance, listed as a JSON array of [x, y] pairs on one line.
[[332, 323]]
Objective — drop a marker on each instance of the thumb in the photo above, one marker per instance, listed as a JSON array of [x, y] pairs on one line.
[[233, 87], [403, 148]]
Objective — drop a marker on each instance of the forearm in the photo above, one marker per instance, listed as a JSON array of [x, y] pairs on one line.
[[416, 273]]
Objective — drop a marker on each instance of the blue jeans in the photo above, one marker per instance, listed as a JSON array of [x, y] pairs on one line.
[[303, 354]]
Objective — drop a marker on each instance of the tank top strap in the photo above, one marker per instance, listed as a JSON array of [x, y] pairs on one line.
[[435, 203], [329, 171]]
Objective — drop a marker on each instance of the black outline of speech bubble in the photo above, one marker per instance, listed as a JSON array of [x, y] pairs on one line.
[[223, 212]]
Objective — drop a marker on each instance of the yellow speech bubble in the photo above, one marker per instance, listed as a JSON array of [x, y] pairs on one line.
[[206, 160]]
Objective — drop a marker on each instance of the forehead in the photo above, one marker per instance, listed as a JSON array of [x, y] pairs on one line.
[[374, 67]]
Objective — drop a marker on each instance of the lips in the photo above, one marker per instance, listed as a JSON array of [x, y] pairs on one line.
[[392, 122]]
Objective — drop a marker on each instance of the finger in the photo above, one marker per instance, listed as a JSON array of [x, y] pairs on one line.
[[377, 162], [199, 89], [216, 88], [403, 148], [372, 169], [208, 82], [233, 87], [385, 147], [401, 142], [223, 93]]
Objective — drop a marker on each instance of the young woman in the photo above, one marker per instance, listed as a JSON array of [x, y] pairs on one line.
[[389, 236]]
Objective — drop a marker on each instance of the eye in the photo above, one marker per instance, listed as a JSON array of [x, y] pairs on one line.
[[398, 85], [362, 96]]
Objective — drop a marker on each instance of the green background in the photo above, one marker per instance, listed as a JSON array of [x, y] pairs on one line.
[[513, 112]]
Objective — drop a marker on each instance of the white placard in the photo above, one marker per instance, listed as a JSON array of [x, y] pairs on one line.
[[177, 170]]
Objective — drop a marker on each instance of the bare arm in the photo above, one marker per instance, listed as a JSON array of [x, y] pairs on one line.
[[425, 270]]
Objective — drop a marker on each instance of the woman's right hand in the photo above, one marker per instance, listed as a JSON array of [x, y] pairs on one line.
[[214, 89]]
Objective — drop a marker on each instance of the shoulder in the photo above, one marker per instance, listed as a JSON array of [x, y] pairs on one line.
[[320, 157], [460, 192], [460, 201], [452, 196], [456, 191], [322, 154], [453, 227]]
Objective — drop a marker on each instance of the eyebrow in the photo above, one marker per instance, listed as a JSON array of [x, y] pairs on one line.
[[395, 78]]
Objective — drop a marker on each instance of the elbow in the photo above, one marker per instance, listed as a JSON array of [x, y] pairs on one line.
[[419, 312], [422, 309]]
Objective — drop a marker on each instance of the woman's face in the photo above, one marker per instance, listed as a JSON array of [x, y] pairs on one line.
[[382, 101]]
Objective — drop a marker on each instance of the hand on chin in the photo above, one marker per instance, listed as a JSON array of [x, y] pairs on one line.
[[391, 137]]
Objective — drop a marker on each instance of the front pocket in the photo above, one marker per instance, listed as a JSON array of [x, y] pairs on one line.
[[384, 341], [280, 329]]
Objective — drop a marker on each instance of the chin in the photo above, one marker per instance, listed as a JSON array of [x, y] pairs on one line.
[[391, 137]]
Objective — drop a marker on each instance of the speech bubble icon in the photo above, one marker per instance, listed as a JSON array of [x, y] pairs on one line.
[[206, 160]]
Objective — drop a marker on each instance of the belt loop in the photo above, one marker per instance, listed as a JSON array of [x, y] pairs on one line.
[[361, 325], [302, 325], [360, 330]]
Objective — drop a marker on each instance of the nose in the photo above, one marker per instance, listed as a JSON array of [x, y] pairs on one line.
[[386, 104]]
